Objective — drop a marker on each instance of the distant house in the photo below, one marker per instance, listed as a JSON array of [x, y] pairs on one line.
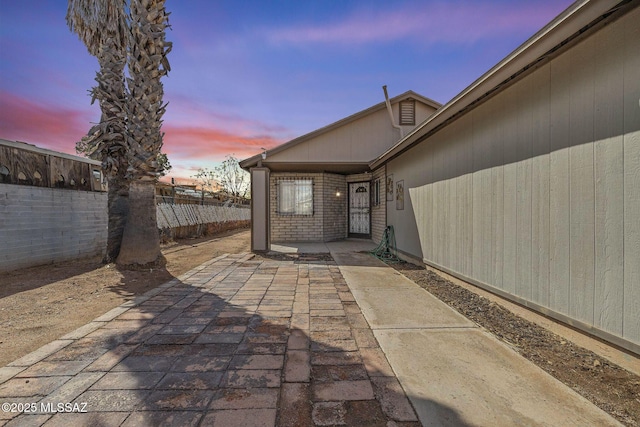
[[53, 206], [318, 187], [26, 164], [527, 183]]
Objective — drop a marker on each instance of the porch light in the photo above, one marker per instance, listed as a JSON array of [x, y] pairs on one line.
[[338, 192]]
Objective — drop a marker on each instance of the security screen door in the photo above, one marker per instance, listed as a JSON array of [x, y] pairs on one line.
[[359, 199]]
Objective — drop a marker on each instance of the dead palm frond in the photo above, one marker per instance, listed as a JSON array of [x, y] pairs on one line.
[[102, 26], [147, 61], [95, 21]]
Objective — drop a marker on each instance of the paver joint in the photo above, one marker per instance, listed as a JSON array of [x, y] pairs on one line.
[[240, 341]]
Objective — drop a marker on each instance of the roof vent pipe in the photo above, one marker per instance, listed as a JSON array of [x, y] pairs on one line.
[[386, 100]]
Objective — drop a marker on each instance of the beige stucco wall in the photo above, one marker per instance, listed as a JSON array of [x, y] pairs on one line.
[[259, 209], [536, 192], [359, 141]]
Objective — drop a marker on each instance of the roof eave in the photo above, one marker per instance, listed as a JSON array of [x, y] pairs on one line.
[[250, 162], [253, 161], [568, 23]]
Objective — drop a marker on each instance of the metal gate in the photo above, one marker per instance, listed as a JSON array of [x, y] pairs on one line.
[[359, 217]]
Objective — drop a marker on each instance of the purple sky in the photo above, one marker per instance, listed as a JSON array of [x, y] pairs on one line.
[[252, 74]]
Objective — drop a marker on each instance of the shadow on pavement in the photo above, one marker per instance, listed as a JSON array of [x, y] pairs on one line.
[[442, 415], [238, 341]]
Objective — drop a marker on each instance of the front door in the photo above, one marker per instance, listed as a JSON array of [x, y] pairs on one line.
[[359, 217]]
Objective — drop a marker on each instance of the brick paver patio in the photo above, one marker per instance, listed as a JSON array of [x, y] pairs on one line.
[[239, 341]]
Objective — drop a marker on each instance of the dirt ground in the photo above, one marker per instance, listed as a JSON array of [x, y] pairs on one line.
[[40, 304]]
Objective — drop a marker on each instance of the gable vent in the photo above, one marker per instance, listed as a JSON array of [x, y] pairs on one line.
[[408, 112]]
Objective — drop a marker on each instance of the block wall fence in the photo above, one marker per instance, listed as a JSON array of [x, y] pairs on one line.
[[40, 225]]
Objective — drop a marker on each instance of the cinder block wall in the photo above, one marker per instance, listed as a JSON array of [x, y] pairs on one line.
[[42, 225]]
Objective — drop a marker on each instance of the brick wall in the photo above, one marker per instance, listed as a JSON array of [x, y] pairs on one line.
[[297, 228], [43, 225], [335, 207], [329, 219]]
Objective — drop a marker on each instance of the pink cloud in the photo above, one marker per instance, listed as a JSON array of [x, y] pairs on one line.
[[46, 126], [190, 113], [212, 143], [440, 22], [58, 129]]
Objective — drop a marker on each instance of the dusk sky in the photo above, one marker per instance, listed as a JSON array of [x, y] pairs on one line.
[[252, 74]]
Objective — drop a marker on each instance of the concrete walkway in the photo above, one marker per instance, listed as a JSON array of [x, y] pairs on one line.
[[287, 340], [454, 372]]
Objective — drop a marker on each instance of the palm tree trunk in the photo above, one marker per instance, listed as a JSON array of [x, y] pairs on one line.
[[118, 208], [141, 239], [147, 64], [101, 25], [111, 147]]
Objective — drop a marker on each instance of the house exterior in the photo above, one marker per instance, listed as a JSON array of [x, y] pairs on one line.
[[527, 183], [318, 187]]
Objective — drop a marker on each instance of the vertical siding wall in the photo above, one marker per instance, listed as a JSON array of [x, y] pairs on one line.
[[41, 225], [536, 192], [379, 213]]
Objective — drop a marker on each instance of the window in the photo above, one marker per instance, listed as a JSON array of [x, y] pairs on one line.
[[295, 197], [376, 192], [408, 112]]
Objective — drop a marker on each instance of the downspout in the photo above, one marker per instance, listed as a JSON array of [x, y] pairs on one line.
[[393, 123]]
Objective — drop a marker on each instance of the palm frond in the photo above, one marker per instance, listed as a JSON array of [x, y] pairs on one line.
[[96, 20]]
